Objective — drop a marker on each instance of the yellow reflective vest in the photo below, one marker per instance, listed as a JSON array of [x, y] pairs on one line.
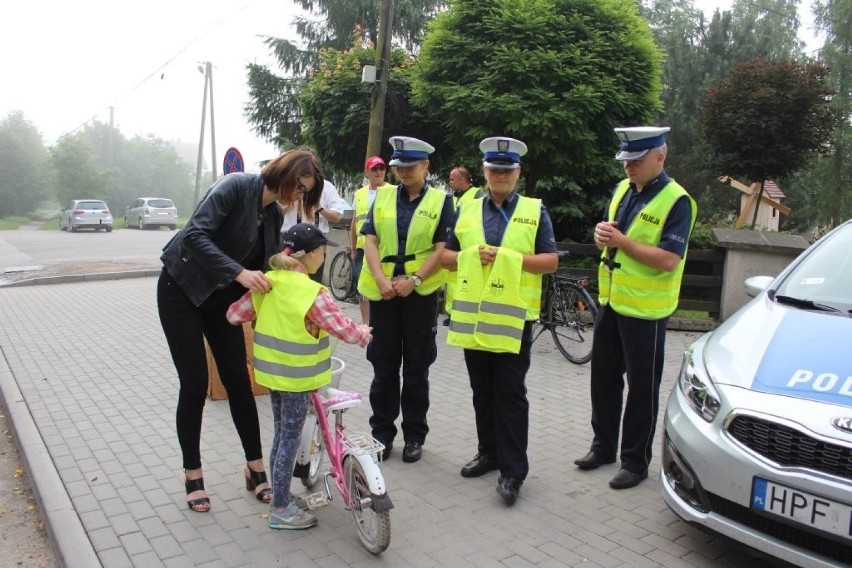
[[632, 288], [418, 245], [469, 195], [361, 205], [286, 357], [493, 302]]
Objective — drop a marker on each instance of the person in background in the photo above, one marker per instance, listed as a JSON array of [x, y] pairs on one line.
[[643, 239], [220, 253], [291, 335], [499, 246], [374, 171], [328, 209], [461, 187], [462, 191], [405, 232]]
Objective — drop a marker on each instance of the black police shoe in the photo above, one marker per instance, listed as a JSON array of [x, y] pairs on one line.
[[509, 488], [479, 465], [387, 451], [412, 452], [592, 461], [625, 479]]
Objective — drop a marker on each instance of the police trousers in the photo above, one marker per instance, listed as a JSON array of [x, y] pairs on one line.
[[404, 332], [498, 383], [635, 348]]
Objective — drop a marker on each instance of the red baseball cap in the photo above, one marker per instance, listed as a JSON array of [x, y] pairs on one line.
[[374, 161]]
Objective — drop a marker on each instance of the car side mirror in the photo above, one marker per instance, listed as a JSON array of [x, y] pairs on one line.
[[756, 285]]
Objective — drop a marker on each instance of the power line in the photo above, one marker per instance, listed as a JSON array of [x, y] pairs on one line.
[[215, 25]]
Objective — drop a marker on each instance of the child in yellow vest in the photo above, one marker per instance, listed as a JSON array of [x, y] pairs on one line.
[[292, 354]]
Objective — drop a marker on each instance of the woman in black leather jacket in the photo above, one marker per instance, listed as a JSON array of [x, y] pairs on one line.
[[222, 252]]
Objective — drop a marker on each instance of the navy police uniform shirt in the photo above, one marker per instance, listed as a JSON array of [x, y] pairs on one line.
[[678, 224], [404, 213], [495, 220]]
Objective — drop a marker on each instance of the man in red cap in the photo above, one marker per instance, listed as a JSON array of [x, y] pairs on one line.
[[374, 171]]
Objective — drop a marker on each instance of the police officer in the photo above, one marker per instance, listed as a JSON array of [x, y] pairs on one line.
[[499, 246], [405, 232], [643, 239], [374, 171]]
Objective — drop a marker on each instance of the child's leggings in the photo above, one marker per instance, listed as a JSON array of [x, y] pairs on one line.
[[289, 410]]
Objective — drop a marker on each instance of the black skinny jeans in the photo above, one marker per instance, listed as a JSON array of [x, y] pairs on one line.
[[185, 327]]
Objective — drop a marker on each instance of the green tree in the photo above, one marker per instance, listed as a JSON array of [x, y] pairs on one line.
[[559, 74], [80, 173], [766, 120], [335, 106], [698, 53], [274, 107], [831, 181], [27, 177]]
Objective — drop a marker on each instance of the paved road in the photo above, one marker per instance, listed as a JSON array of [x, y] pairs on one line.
[[87, 365]]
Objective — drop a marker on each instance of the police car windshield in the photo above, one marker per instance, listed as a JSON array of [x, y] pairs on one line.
[[822, 278]]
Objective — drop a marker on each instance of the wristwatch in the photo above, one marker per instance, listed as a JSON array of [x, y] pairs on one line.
[[417, 280]]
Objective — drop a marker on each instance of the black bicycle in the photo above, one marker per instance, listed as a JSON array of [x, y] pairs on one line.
[[569, 313], [340, 277]]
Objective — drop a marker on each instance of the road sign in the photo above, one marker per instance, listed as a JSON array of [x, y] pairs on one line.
[[233, 161]]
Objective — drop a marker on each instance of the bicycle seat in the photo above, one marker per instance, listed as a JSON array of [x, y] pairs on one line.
[[338, 400]]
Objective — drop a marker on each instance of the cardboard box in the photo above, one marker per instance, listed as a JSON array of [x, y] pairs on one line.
[[215, 388]]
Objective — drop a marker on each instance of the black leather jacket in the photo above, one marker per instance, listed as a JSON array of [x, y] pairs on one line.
[[207, 253]]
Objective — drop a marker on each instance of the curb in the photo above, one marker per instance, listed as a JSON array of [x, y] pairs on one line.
[[68, 538], [83, 278]]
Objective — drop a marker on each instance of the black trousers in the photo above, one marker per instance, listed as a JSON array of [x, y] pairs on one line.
[[498, 382], [635, 348], [185, 327], [404, 332]]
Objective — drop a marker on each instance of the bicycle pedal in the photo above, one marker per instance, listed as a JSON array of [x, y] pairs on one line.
[[316, 500]]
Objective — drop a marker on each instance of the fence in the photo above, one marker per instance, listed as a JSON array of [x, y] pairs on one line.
[[701, 289]]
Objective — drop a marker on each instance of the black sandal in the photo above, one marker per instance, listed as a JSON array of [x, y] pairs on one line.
[[197, 485], [255, 478]]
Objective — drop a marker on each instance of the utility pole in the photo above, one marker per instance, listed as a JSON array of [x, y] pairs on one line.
[[206, 71], [209, 70], [380, 88]]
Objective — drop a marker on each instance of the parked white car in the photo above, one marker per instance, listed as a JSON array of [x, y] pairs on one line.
[[151, 212], [757, 440], [85, 214]]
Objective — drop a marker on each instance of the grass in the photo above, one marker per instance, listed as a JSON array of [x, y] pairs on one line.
[[692, 314], [12, 223]]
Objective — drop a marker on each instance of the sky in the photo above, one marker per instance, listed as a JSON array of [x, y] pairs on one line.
[[68, 63]]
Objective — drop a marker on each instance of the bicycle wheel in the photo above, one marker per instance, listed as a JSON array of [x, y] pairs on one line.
[[340, 275], [572, 313], [309, 473], [373, 527]]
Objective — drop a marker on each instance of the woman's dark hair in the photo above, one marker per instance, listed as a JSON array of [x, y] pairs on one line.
[[282, 174]]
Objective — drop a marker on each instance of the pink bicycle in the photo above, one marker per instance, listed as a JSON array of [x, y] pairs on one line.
[[354, 465]]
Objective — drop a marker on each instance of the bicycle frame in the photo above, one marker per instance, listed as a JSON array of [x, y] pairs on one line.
[[338, 445]]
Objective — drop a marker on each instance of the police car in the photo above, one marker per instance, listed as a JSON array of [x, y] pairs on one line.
[[757, 441]]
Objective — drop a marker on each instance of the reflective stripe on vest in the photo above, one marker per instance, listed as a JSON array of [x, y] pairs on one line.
[[286, 356], [632, 288], [419, 243]]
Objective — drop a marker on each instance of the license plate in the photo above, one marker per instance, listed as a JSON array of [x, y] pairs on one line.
[[805, 508]]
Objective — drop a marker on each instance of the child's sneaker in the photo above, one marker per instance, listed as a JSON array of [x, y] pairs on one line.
[[291, 518]]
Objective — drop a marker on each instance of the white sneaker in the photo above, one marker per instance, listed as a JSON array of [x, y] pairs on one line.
[[291, 518]]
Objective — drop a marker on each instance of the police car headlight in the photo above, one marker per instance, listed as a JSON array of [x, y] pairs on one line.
[[697, 387]]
